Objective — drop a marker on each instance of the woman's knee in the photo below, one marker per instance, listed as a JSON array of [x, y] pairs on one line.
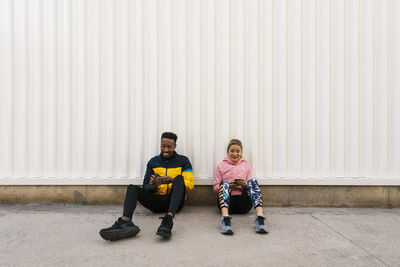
[[225, 183], [252, 183], [252, 187], [225, 186], [254, 192], [224, 195]]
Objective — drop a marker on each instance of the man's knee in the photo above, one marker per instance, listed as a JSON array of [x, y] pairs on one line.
[[131, 188], [178, 180]]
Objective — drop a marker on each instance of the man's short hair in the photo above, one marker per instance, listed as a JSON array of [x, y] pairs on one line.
[[169, 135]]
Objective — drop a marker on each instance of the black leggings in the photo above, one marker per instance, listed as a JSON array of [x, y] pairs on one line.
[[172, 202], [239, 204]]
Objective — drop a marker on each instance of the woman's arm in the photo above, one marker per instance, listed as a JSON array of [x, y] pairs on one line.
[[217, 179]]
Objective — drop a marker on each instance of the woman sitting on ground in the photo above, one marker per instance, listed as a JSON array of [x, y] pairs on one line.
[[237, 191]]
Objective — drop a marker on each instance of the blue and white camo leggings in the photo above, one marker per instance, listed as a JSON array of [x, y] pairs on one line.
[[252, 189]]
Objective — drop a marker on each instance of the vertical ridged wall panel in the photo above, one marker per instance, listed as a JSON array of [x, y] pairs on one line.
[[310, 86]]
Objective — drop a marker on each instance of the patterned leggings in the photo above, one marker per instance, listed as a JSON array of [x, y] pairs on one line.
[[251, 194]]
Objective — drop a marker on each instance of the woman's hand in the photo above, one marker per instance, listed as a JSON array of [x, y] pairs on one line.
[[241, 182], [232, 184]]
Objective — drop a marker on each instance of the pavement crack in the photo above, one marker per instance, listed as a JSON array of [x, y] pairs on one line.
[[348, 239]]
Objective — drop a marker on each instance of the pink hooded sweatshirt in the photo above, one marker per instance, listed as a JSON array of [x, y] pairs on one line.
[[230, 170]]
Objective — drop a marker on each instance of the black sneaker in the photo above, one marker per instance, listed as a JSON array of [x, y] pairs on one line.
[[120, 229], [165, 228]]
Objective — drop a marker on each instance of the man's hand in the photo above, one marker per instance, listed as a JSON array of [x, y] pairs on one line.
[[165, 179], [154, 181]]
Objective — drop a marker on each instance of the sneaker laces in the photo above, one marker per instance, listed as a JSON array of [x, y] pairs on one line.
[[116, 225], [260, 220], [227, 220], [166, 220], [118, 222]]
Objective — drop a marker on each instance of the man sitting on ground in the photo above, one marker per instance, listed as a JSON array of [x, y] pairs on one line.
[[168, 176]]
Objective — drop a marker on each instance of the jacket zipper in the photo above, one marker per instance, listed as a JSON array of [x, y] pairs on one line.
[[166, 174]]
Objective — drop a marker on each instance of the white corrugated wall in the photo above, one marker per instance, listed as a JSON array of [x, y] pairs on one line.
[[312, 87]]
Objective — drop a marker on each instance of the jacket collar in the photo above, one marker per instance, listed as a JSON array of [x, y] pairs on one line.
[[170, 158], [228, 160]]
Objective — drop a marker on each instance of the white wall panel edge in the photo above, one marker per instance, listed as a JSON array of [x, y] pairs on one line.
[[342, 181]]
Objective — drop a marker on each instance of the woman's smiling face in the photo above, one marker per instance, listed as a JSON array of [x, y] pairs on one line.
[[234, 152]]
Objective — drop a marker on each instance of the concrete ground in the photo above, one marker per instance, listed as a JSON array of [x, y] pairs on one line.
[[67, 235]]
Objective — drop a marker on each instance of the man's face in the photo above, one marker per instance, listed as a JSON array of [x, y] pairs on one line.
[[167, 147]]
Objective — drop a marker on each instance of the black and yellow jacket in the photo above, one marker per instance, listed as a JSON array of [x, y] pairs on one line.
[[172, 166]]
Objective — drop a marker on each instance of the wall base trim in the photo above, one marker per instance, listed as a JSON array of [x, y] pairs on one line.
[[200, 181], [273, 195]]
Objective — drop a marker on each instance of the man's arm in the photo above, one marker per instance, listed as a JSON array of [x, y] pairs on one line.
[[146, 181], [187, 174]]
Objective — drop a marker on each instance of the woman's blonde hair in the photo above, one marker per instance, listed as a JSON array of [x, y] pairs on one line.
[[234, 142]]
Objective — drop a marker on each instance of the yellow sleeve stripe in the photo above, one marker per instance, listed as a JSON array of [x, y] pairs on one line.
[[188, 178]]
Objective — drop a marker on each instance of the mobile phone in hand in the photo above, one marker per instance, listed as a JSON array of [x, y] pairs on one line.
[[156, 177]]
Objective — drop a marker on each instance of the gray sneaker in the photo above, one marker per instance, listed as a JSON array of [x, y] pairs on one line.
[[261, 225], [226, 226]]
